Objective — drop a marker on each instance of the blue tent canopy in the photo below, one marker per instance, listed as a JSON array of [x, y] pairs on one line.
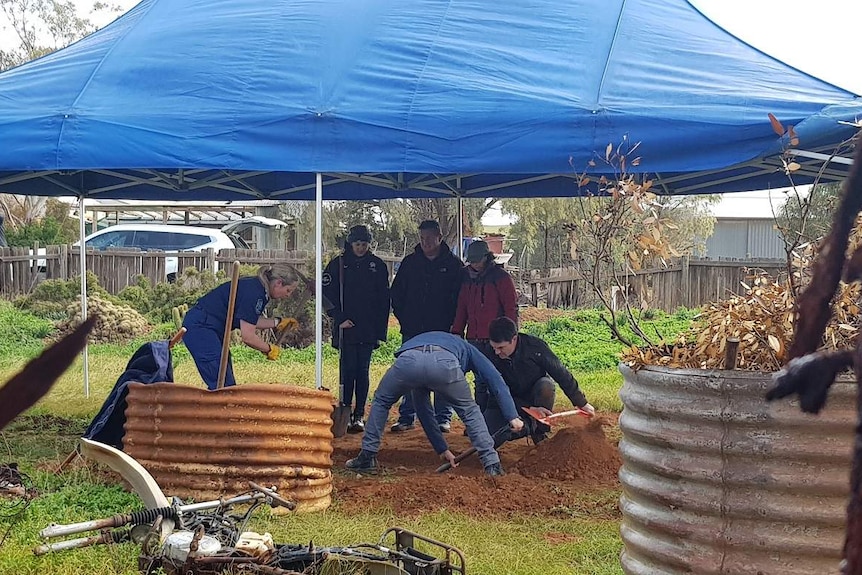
[[241, 99]]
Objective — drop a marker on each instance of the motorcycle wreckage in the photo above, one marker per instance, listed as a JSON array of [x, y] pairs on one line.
[[210, 538]]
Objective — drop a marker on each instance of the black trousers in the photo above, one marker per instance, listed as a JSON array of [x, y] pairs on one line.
[[541, 395], [355, 362]]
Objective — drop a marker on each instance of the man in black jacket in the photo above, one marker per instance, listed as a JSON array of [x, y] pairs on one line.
[[529, 368], [424, 297]]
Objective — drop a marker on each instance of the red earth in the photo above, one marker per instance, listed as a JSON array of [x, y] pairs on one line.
[[574, 472]]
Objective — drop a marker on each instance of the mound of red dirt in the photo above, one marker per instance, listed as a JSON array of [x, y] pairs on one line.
[[581, 452], [554, 477]]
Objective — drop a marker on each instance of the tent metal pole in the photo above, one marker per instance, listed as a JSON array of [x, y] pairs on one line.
[[83, 270], [460, 220], [318, 281]]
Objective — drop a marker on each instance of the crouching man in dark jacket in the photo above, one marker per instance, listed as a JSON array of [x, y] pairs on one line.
[[529, 368]]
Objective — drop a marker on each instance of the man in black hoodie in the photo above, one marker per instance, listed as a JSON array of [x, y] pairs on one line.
[[424, 298], [357, 283]]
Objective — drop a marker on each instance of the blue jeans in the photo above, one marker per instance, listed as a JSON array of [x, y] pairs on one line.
[[419, 372], [407, 412]]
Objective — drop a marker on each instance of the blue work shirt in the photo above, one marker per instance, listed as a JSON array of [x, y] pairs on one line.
[[251, 300], [471, 359]]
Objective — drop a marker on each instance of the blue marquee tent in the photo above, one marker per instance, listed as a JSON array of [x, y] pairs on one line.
[[243, 99]]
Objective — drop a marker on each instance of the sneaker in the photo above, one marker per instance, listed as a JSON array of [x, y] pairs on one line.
[[365, 462], [445, 427], [493, 470], [401, 427], [356, 425]]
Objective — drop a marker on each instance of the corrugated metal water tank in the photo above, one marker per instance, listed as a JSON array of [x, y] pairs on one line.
[[717, 480], [202, 445]]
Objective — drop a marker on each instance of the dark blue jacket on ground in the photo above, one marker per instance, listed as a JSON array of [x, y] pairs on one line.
[[151, 363]]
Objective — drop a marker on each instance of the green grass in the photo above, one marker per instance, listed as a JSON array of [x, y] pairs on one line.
[[581, 540]]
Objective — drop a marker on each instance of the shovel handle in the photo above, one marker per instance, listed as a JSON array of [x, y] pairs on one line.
[[225, 345], [177, 338], [468, 452]]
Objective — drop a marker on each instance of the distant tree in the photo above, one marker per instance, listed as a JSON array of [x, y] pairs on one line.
[[54, 228], [545, 227], [394, 223], [40, 27], [804, 218]]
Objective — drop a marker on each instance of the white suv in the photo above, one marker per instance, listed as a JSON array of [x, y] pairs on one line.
[[172, 238]]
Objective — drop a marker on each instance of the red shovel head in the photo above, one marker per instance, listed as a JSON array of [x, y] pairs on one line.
[[549, 419]]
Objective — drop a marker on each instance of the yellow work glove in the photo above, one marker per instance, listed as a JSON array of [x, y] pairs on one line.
[[286, 323], [273, 353]]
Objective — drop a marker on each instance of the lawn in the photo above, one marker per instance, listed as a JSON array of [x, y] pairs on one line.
[[582, 538]]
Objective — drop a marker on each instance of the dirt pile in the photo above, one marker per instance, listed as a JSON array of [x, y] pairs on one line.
[[580, 452], [409, 486]]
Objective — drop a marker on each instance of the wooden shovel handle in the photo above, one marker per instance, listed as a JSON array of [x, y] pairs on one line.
[[225, 344], [178, 337]]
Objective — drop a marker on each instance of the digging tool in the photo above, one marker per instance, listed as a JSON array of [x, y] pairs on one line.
[[341, 412], [228, 324], [467, 453], [549, 419]]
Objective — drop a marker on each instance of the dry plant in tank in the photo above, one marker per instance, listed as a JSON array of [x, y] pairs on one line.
[[764, 318], [620, 231]]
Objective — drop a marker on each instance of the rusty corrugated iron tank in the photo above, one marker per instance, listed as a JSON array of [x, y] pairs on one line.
[[717, 480], [201, 444]]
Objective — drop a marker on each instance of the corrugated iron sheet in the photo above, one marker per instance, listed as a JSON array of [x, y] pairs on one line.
[[716, 480], [207, 444]]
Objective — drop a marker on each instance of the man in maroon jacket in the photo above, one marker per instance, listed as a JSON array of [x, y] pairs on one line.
[[487, 292]]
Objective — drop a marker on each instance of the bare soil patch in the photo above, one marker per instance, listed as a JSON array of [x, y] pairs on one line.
[[554, 477]]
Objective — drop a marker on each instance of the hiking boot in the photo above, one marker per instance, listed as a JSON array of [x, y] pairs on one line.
[[356, 425], [365, 462], [494, 470], [401, 427], [445, 427]]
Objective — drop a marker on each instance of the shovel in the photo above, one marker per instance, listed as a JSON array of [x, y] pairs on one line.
[[468, 452], [341, 412], [549, 419]]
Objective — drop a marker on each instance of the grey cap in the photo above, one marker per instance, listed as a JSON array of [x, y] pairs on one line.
[[477, 251]]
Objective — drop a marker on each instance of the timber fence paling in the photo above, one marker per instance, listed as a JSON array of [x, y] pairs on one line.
[[117, 268], [688, 283]]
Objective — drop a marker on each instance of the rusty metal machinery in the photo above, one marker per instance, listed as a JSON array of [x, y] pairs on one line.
[[211, 539]]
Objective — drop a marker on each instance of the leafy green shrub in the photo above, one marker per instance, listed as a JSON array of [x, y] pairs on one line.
[[157, 301], [51, 298], [48, 232]]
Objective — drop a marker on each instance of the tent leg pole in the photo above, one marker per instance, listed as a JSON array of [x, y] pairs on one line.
[[83, 269], [460, 220], [318, 281]]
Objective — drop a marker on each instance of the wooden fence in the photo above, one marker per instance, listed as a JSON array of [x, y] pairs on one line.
[[21, 269], [686, 283]]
